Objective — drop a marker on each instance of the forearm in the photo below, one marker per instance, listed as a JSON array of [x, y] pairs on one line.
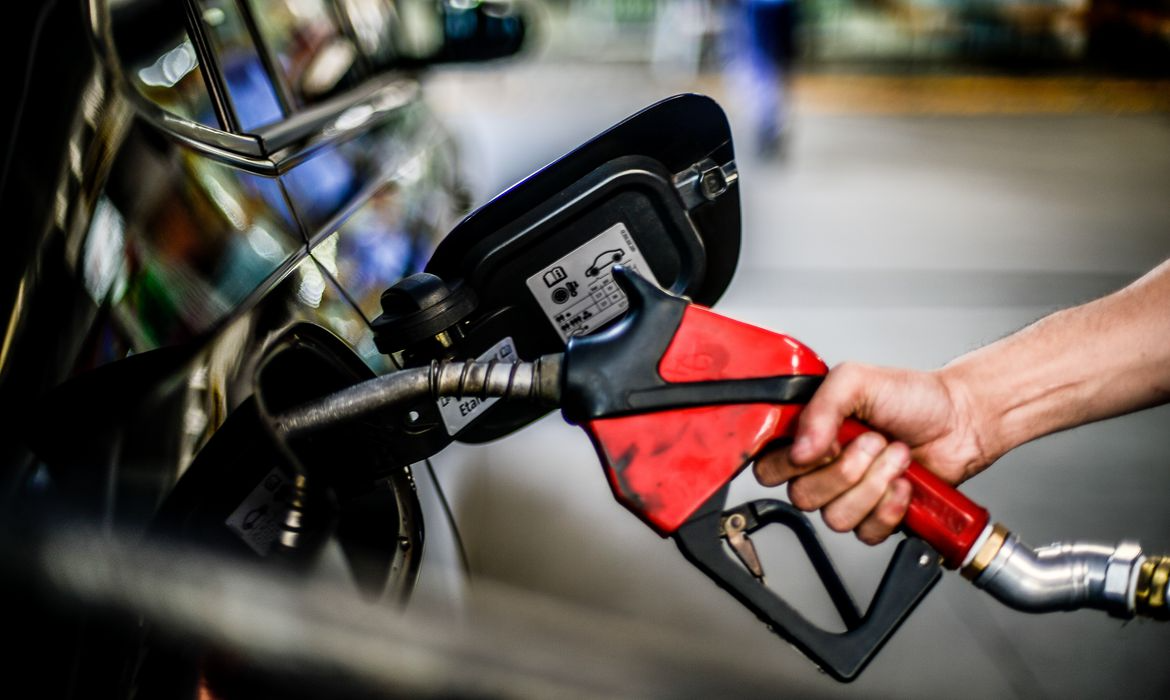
[[1102, 359]]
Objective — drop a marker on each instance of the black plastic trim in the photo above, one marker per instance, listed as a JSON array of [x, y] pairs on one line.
[[793, 389], [615, 372], [602, 370], [912, 572]]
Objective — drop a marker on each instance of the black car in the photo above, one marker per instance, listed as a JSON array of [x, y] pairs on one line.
[[204, 200]]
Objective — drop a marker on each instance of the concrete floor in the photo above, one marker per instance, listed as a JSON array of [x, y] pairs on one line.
[[900, 239]]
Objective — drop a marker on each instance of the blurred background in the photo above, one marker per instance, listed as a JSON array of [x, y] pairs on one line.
[[936, 174]]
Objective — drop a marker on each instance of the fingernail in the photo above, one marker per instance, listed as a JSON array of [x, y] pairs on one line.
[[903, 490], [801, 447], [904, 458], [870, 443]]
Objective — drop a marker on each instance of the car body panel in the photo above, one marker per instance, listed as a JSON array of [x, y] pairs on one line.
[[167, 239]]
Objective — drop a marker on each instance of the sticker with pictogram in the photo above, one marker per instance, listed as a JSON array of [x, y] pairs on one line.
[[257, 520], [578, 293]]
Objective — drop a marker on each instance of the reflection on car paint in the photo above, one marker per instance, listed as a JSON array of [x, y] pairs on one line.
[[205, 238], [322, 185], [328, 185], [390, 227]]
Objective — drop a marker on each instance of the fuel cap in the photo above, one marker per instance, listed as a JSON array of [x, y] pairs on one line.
[[422, 309]]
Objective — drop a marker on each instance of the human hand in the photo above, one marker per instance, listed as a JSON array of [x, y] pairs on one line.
[[860, 487]]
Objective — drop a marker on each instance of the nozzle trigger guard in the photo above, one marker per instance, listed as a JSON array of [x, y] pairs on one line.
[[912, 572]]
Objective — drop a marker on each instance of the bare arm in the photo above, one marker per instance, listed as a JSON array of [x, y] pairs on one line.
[[1102, 359], [1105, 358]]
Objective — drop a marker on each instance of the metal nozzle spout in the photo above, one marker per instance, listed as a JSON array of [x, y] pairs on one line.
[[1067, 576]]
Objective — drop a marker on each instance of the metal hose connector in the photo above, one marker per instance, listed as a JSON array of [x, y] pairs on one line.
[[1152, 588], [294, 518], [1070, 576], [537, 382]]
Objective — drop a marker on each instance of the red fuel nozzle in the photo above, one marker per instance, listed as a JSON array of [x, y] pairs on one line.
[[677, 401]]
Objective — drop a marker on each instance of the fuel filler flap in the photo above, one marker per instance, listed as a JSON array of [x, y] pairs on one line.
[[657, 194]]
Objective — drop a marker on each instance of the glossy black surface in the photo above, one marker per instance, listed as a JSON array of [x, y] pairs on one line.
[[179, 213]]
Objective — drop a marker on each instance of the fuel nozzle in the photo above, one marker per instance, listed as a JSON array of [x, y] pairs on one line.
[[1119, 579]]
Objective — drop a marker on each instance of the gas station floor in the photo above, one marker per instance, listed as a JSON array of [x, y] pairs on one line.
[[910, 221]]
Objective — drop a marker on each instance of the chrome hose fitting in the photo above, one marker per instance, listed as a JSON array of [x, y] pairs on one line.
[[1067, 576], [989, 545], [293, 525]]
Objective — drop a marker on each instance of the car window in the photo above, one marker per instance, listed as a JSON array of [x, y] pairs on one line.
[[159, 60], [374, 23], [250, 89], [265, 59], [389, 30], [310, 46]]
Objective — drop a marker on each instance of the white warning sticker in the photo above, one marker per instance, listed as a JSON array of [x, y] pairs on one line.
[[457, 413], [578, 293], [257, 520]]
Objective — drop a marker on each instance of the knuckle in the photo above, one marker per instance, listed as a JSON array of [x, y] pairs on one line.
[[871, 443], [762, 476], [871, 536], [766, 474], [853, 466], [852, 472], [847, 372], [843, 368], [837, 521], [888, 517], [798, 495], [895, 458]]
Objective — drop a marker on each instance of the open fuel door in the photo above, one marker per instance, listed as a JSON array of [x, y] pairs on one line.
[[656, 194]]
